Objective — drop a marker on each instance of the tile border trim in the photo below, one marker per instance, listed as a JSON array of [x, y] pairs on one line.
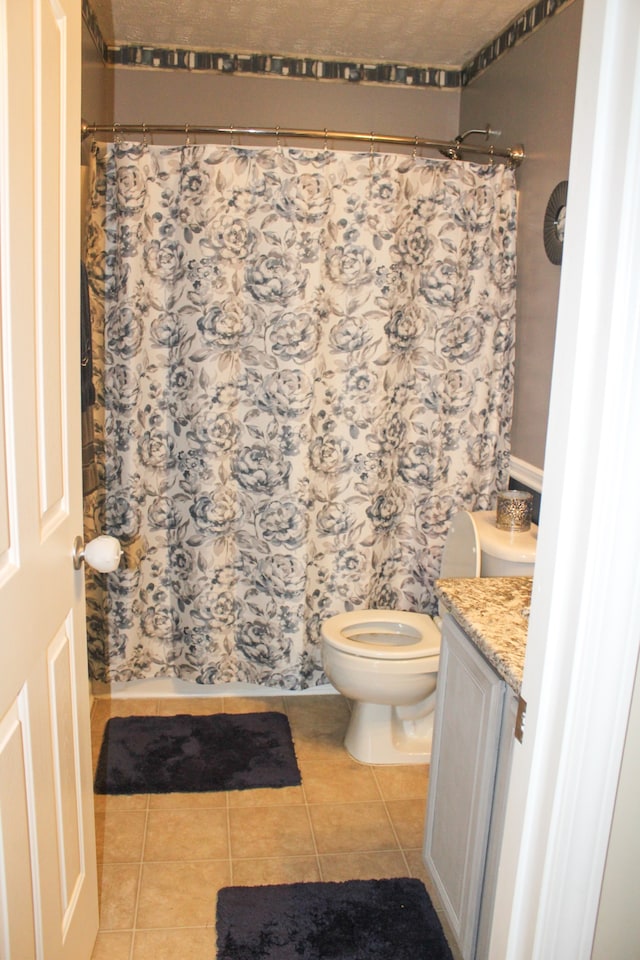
[[272, 65]]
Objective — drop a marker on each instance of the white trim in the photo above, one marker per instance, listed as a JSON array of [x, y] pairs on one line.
[[584, 632], [526, 473], [172, 687]]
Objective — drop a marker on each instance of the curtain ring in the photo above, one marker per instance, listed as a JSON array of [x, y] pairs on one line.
[[231, 143], [116, 134], [145, 139], [325, 140], [492, 159], [187, 141], [372, 141], [415, 148], [278, 144]]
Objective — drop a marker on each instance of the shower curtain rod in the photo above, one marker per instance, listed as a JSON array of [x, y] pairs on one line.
[[449, 148]]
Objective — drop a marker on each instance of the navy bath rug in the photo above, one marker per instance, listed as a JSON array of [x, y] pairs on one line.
[[354, 920], [196, 754]]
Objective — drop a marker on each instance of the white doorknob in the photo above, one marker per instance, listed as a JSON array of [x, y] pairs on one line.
[[103, 553]]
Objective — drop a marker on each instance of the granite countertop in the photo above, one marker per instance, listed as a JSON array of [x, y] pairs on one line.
[[494, 613]]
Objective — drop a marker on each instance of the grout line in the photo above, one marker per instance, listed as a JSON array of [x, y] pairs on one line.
[[229, 850], [139, 884]]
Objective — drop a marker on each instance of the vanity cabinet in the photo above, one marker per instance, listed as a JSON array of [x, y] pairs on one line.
[[470, 764]]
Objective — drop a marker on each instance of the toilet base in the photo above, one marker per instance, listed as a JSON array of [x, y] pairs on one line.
[[377, 734]]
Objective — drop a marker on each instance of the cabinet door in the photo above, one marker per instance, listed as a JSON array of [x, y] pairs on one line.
[[463, 769]]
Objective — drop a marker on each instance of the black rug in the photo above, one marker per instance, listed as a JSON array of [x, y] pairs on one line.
[[355, 920], [196, 754]]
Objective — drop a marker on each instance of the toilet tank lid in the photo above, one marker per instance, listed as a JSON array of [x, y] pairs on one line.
[[505, 544], [461, 555]]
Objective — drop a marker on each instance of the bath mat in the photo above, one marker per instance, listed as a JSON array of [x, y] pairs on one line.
[[354, 920], [196, 754]]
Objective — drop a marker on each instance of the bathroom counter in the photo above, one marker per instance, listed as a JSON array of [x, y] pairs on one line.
[[494, 613]]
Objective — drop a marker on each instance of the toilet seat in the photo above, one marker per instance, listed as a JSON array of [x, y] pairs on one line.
[[383, 634]]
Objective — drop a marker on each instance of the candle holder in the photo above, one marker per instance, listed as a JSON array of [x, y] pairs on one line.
[[513, 511]]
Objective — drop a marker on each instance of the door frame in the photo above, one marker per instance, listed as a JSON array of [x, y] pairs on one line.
[[584, 630]]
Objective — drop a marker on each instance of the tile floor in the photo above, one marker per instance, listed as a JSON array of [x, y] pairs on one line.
[[162, 858]]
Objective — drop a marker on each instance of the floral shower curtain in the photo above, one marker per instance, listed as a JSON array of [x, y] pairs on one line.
[[304, 366]]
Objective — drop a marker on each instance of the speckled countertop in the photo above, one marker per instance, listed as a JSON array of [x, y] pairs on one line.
[[493, 612]]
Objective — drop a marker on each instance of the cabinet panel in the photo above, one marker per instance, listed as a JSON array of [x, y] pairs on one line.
[[463, 769]]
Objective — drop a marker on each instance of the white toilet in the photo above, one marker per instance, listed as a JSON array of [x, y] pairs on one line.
[[386, 661]]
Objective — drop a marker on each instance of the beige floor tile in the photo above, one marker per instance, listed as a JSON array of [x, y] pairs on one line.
[[119, 836], [351, 827], [363, 866], [194, 706], [318, 728], [408, 818], [273, 704], [270, 832], [280, 796], [104, 708], [117, 803], [180, 894], [182, 944], [112, 946], [190, 837], [338, 782], [188, 801], [187, 835], [276, 870], [417, 866], [117, 888], [403, 782]]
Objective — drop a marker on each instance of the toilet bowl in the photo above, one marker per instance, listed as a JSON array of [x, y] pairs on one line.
[[386, 661]]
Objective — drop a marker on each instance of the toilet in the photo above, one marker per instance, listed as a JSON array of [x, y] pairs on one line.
[[386, 661]]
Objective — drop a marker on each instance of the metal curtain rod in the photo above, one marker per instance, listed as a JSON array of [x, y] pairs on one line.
[[449, 148]]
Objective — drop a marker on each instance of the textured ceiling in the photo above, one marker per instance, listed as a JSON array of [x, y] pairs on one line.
[[436, 33]]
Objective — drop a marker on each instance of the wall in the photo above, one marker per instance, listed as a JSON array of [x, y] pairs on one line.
[[529, 96], [178, 97], [97, 83]]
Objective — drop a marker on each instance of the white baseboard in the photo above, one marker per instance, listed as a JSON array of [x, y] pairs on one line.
[[171, 687], [526, 473]]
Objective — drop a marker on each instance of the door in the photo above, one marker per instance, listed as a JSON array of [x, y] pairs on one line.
[[48, 889]]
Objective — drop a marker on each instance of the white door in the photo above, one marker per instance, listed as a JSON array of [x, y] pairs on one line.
[[48, 888]]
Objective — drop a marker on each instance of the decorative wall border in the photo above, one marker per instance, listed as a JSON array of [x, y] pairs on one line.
[[521, 27], [164, 58]]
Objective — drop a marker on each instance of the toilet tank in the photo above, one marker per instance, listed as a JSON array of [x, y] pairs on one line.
[[504, 553]]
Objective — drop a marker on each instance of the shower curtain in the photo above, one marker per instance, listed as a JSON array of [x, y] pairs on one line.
[[303, 364]]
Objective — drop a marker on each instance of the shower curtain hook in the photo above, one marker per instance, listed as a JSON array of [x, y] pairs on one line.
[[415, 148], [116, 134], [278, 144], [231, 143], [187, 141], [145, 139], [325, 140]]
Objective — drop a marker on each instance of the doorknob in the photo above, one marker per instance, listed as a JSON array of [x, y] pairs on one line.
[[103, 553]]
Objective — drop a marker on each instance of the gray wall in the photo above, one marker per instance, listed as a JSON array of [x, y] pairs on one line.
[[162, 96], [529, 95]]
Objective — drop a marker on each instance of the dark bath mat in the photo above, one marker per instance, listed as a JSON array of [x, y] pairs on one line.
[[355, 920], [196, 754]]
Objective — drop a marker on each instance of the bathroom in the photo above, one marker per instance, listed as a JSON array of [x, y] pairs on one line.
[[541, 99], [535, 111]]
